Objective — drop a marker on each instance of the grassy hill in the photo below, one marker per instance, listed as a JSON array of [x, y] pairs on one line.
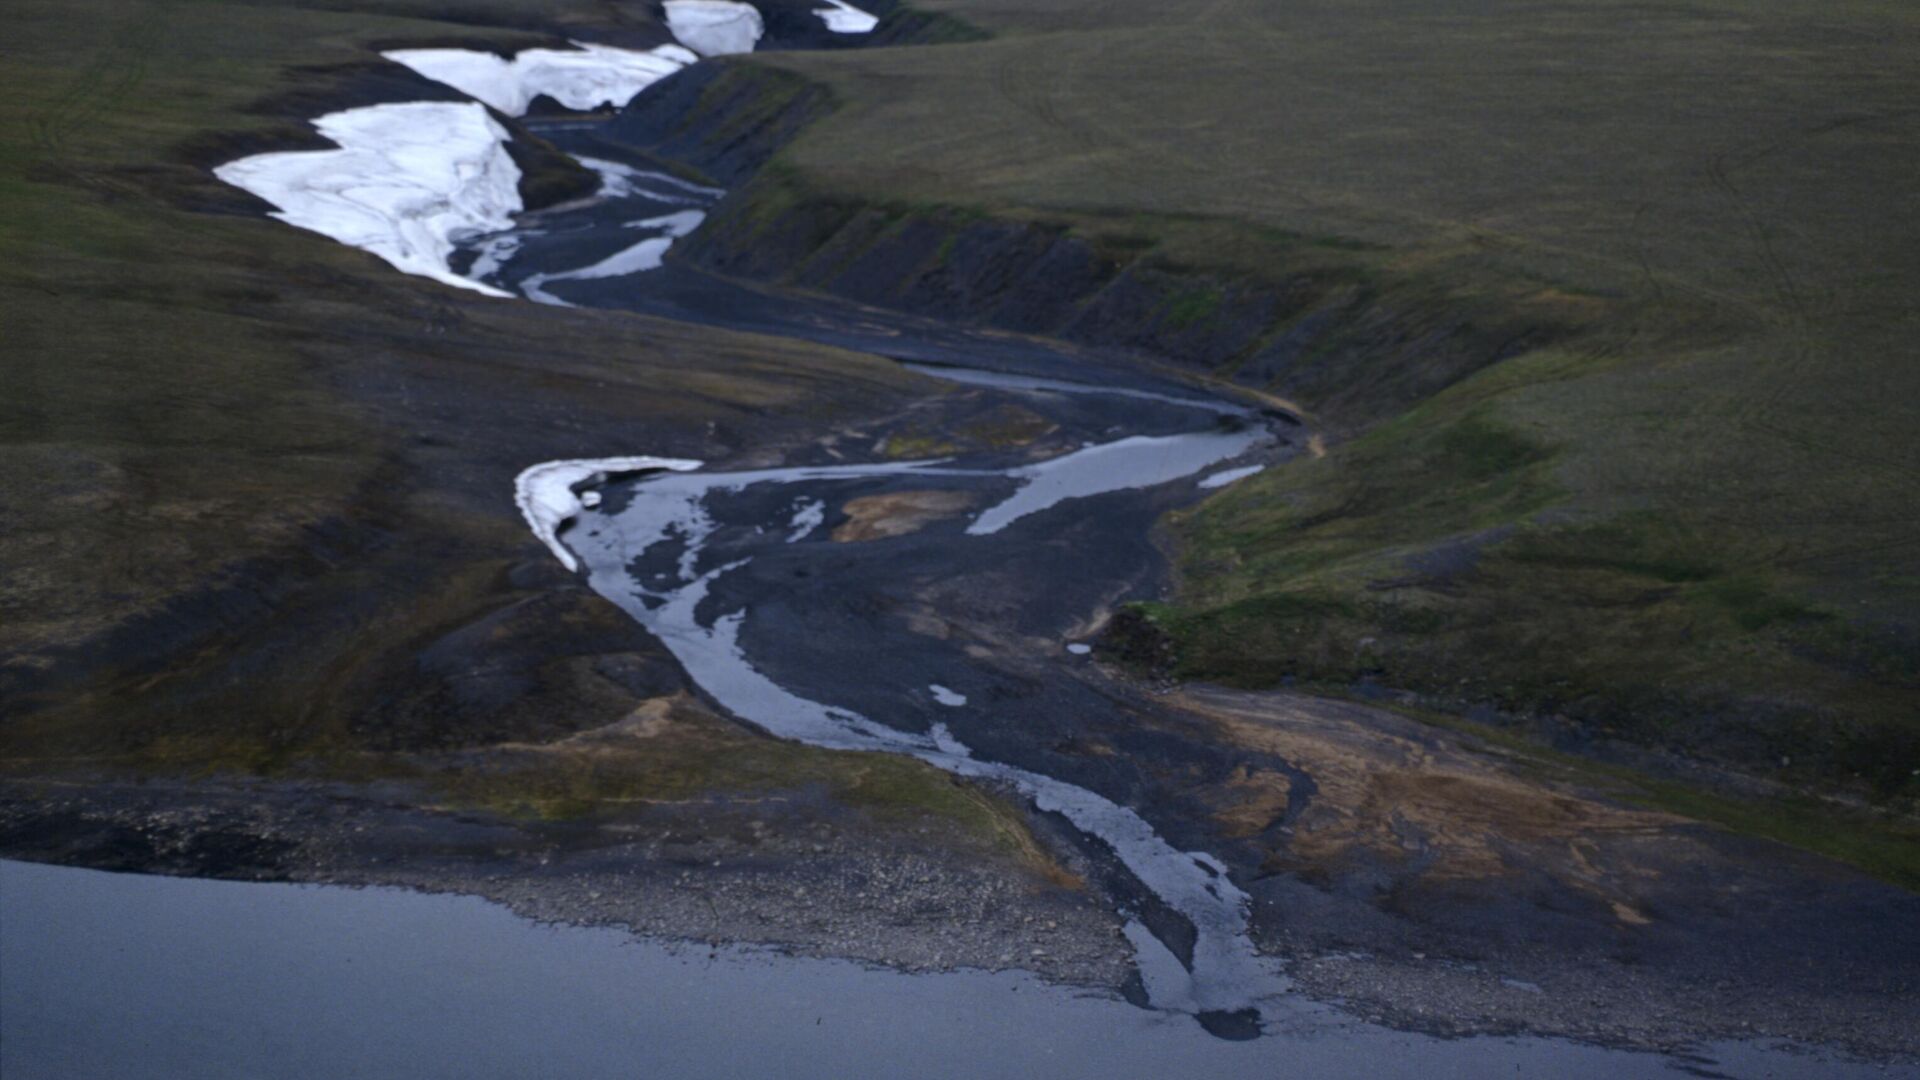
[[249, 475], [1688, 514]]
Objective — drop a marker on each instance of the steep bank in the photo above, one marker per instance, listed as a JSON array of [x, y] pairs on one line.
[[1454, 544], [1313, 323]]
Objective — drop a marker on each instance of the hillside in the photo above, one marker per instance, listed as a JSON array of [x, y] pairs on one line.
[[1666, 495]]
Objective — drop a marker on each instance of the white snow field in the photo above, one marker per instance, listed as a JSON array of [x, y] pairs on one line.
[[545, 492], [585, 77], [844, 18], [715, 27], [406, 179]]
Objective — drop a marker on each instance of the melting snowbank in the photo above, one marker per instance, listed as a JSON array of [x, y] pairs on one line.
[[715, 27], [844, 18], [405, 180], [587, 77], [546, 497]]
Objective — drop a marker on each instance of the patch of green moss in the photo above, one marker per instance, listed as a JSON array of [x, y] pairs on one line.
[[1752, 602], [700, 758], [913, 26], [907, 446], [1005, 427], [1195, 304]]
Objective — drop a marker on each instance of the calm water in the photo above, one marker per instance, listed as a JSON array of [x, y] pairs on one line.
[[122, 976]]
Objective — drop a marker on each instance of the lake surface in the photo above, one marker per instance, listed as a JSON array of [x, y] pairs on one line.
[[130, 977]]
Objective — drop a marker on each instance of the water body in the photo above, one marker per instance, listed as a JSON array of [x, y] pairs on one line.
[[1004, 380], [135, 977]]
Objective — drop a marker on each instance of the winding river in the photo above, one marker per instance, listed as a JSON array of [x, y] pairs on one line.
[[948, 633], [706, 558]]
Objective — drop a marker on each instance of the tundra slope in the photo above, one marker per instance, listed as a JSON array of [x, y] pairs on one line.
[[1241, 799], [1615, 373], [1467, 834]]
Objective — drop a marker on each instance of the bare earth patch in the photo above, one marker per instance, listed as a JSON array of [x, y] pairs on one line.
[[877, 517]]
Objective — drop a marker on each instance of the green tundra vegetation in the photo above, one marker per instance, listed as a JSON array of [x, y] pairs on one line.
[[1684, 513]]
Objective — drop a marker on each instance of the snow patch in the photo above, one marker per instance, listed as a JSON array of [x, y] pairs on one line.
[[1078, 649], [584, 77], [546, 498], [846, 19], [715, 27], [949, 698], [1135, 462], [1227, 476], [406, 179], [808, 515]]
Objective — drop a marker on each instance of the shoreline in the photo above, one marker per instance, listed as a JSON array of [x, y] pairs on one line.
[[810, 882]]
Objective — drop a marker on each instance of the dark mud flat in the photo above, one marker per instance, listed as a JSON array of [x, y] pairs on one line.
[[133, 976]]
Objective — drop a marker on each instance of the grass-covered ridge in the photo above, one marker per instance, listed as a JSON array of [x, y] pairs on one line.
[[1451, 552], [1681, 515]]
